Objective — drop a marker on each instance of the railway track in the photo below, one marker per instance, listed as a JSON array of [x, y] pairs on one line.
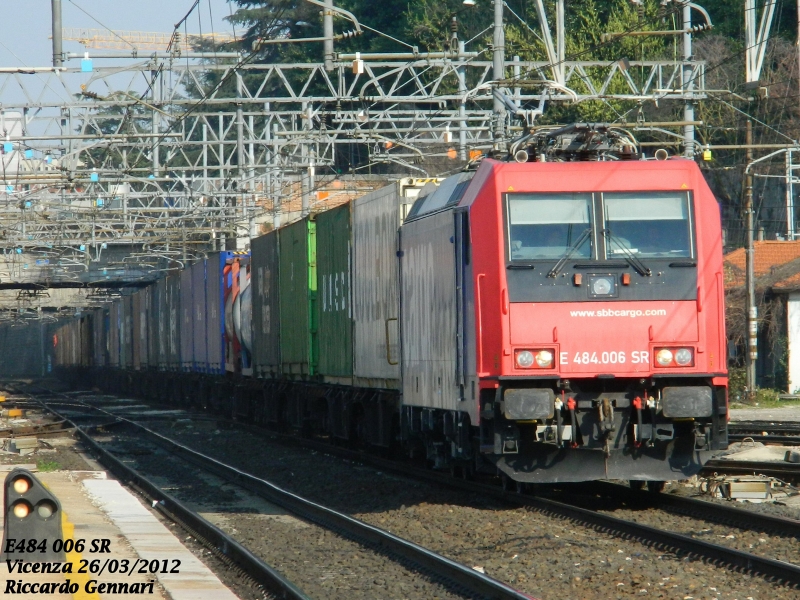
[[766, 432], [564, 507], [459, 580]]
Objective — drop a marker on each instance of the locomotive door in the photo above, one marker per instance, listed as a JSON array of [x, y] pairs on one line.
[[462, 251]]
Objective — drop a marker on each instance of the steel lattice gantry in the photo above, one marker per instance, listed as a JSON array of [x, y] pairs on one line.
[[157, 154]]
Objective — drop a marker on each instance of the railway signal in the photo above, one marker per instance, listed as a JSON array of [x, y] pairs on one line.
[[31, 520]]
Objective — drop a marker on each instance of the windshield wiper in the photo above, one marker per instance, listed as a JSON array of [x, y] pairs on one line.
[[569, 252], [637, 264]]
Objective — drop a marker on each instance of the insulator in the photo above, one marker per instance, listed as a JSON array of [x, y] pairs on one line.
[[521, 156]]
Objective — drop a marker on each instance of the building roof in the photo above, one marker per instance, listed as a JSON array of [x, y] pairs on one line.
[[769, 255]]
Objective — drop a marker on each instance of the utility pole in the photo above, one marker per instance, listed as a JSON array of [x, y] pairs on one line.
[[327, 33], [498, 74], [58, 50], [750, 282], [688, 83]]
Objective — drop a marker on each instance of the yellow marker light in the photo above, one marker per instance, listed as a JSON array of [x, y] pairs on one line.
[[21, 510], [21, 485]]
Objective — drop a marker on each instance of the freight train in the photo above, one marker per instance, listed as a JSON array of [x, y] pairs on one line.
[[556, 317]]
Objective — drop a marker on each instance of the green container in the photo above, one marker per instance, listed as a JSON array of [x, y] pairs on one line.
[[298, 296], [335, 313]]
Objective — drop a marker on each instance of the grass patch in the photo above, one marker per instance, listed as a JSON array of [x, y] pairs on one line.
[[45, 466]]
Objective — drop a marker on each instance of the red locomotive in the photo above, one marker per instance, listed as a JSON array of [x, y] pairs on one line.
[[585, 303]]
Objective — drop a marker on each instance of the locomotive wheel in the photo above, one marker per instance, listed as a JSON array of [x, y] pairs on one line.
[[637, 485], [508, 483], [656, 487]]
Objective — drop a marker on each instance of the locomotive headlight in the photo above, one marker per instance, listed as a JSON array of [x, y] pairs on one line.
[[535, 358], [664, 357], [525, 359], [684, 357], [674, 357], [602, 286], [544, 358]]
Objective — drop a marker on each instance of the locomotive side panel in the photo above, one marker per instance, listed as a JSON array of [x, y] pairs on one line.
[[266, 324], [428, 313], [334, 295]]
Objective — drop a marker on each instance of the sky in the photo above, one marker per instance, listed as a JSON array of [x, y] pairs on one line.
[[25, 36]]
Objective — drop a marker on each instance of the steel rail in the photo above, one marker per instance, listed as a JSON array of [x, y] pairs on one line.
[[710, 511], [217, 540], [468, 579], [781, 470]]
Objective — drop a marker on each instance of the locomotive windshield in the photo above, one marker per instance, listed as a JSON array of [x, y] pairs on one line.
[[647, 224], [545, 226]]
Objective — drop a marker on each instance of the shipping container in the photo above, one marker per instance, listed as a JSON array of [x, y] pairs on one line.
[[172, 321], [136, 323], [186, 320], [100, 330], [298, 294], [215, 303], [334, 306], [235, 278], [113, 332], [24, 349], [266, 307], [126, 333], [160, 337], [243, 320], [153, 319], [199, 316], [376, 218]]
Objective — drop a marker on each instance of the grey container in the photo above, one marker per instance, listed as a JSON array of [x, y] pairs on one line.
[[136, 340], [186, 320], [214, 328], [265, 305], [199, 317], [153, 320], [172, 322], [113, 333], [99, 333], [126, 333], [376, 218]]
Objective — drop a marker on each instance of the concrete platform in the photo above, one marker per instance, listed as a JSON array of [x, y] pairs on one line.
[[777, 415], [96, 509]]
